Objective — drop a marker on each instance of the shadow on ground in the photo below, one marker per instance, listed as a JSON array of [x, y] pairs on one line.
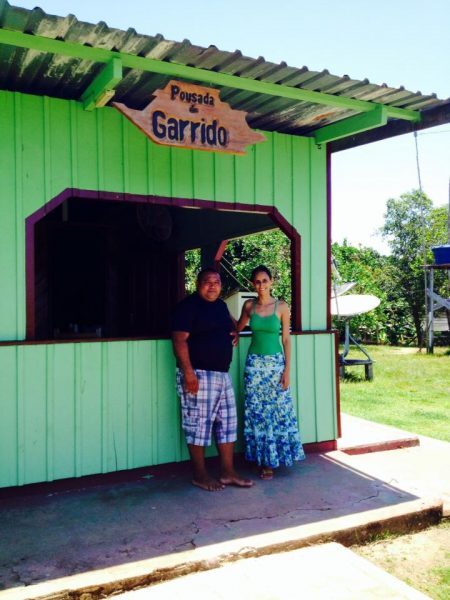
[[53, 532]]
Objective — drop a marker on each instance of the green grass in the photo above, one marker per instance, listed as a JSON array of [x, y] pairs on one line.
[[440, 589], [421, 559], [410, 390]]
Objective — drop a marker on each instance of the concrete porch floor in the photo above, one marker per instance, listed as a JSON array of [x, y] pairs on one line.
[[111, 537]]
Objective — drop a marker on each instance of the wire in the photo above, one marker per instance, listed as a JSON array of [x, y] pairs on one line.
[[418, 167], [424, 256], [337, 277], [233, 276], [434, 132]]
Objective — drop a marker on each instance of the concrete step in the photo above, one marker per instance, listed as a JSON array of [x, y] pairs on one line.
[[319, 572]]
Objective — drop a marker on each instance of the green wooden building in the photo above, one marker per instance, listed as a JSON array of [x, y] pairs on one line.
[[95, 220]]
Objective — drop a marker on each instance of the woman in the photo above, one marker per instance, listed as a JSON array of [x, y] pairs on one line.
[[270, 429]]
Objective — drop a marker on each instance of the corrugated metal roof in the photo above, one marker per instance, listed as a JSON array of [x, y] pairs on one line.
[[34, 72]]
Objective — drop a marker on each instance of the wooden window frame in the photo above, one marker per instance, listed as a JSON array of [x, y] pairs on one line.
[[74, 193]]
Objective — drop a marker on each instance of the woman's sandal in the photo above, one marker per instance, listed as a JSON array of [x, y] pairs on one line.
[[266, 473]]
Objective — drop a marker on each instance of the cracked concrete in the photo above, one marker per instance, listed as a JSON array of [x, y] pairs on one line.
[[108, 537]]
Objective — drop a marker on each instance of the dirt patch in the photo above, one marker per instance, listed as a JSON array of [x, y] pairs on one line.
[[421, 559]]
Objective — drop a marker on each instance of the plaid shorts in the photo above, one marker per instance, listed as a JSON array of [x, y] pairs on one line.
[[211, 411]]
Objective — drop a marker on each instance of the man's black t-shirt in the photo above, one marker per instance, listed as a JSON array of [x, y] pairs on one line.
[[209, 326]]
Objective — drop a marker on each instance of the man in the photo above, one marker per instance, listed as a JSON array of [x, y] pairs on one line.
[[202, 335]]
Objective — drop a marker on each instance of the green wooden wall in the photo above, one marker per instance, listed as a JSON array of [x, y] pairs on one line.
[[77, 409], [73, 409]]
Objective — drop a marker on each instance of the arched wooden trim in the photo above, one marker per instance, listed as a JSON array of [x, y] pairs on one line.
[[220, 251], [69, 193], [328, 236]]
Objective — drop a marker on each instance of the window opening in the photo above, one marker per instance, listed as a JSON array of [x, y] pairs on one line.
[[105, 267]]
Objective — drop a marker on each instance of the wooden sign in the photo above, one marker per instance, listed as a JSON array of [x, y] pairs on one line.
[[193, 116]]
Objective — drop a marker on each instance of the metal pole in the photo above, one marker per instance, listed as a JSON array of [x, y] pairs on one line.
[[346, 339], [431, 313]]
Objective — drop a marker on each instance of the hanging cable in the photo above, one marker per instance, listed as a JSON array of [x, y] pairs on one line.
[[424, 252], [246, 287], [336, 278]]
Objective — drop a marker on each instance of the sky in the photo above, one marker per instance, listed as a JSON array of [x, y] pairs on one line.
[[397, 42]]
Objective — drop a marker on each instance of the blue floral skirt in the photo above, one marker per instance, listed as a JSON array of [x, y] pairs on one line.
[[270, 425]]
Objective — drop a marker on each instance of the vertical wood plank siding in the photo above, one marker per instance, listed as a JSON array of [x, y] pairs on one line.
[[75, 409]]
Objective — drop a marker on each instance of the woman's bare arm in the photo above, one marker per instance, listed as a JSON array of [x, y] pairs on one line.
[[245, 315], [286, 340]]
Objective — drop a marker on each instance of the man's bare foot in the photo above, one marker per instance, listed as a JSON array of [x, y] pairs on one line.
[[234, 479], [208, 483]]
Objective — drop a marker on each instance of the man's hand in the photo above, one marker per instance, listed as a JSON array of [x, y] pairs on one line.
[[190, 381], [180, 346], [235, 336]]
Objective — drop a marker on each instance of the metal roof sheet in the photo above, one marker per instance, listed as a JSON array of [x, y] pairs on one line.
[[44, 73]]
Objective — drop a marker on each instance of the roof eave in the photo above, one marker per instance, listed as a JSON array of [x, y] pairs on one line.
[[432, 117]]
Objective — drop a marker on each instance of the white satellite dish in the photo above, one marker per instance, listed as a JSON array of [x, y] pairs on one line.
[[341, 288], [353, 304]]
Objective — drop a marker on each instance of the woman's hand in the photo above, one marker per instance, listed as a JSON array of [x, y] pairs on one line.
[[235, 338], [285, 379]]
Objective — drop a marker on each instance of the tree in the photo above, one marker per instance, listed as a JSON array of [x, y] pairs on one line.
[[412, 226], [270, 248], [374, 274]]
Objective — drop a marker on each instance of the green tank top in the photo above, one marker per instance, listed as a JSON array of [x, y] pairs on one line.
[[265, 333]]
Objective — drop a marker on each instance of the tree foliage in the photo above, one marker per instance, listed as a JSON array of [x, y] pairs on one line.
[[412, 226], [390, 322], [270, 248], [192, 262]]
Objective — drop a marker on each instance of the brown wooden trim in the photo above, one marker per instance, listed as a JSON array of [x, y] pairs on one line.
[[329, 223], [80, 341], [327, 446], [338, 383], [83, 194], [407, 442], [295, 238], [30, 280], [30, 223], [129, 339], [171, 469], [132, 339], [95, 480], [220, 251]]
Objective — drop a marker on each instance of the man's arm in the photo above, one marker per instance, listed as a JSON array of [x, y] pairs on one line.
[[181, 350], [245, 315]]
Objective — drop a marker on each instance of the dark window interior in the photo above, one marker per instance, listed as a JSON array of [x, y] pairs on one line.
[[115, 269], [100, 271]]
